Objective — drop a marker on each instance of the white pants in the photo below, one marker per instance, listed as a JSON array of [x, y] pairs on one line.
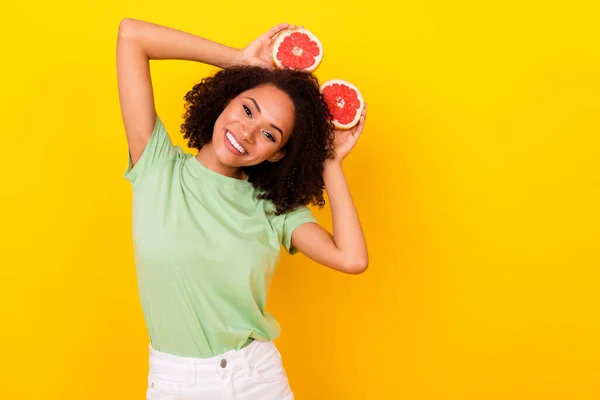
[[252, 373]]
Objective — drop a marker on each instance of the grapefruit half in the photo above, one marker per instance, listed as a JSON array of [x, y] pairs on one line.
[[344, 101], [297, 49]]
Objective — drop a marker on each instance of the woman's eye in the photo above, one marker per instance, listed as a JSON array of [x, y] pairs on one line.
[[269, 136], [248, 112]]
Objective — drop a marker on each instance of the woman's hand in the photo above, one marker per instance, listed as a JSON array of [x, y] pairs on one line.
[[345, 140], [260, 51]]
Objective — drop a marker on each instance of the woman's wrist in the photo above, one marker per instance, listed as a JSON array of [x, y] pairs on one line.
[[239, 58], [331, 166], [329, 162]]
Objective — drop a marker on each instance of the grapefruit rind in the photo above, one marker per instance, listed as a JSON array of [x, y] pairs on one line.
[[281, 37], [359, 110]]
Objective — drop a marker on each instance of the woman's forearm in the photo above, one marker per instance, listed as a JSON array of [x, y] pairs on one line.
[[347, 231], [163, 43]]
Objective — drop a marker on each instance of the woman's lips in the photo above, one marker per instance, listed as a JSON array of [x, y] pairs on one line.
[[234, 148]]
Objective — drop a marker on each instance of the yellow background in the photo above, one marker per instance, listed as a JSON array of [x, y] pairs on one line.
[[477, 181]]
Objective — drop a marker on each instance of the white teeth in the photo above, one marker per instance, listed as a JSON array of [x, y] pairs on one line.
[[235, 143]]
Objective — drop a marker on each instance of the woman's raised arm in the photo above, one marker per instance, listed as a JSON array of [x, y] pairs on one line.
[[139, 42]]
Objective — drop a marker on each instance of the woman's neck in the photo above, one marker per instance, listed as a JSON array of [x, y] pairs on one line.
[[207, 157]]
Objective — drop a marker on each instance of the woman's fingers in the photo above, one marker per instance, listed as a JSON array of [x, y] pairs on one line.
[[279, 28], [276, 29], [361, 123]]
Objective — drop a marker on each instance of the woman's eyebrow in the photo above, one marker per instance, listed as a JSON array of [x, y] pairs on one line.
[[258, 108]]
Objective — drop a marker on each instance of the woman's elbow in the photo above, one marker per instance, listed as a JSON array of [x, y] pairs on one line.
[[356, 267], [126, 27]]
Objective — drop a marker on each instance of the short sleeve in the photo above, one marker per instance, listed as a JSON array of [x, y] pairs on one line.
[[292, 220], [159, 148]]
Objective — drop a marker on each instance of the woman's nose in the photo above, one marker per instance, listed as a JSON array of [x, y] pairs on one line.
[[249, 133]]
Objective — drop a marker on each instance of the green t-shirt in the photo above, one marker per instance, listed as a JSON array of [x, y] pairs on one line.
[[206, 249]]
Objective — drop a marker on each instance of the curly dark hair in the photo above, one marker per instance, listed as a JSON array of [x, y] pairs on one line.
[[297, 178]]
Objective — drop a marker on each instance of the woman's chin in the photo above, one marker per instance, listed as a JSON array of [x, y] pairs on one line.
[[229, 160]]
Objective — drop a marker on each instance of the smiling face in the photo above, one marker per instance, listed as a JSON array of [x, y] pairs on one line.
[[254, 127]]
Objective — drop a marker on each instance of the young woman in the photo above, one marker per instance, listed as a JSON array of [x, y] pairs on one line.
[[208, 229]]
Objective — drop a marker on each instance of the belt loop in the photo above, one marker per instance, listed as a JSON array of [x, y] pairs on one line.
[[190, 378], [246, 359]]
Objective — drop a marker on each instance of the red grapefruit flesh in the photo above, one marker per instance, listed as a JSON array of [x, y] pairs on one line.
[[344, 101], [297, 49]]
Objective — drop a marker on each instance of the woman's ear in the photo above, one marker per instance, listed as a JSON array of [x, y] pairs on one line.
[[277, 156]]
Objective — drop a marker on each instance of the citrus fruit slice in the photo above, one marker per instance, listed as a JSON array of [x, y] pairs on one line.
[[344, 101], [297, 49]]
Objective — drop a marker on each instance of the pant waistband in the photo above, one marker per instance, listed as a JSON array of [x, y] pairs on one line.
[[230, 360], [189, 370]]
